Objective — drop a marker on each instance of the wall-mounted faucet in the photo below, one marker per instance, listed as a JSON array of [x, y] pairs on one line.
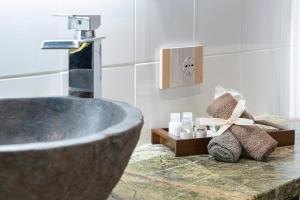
[[84, 55]]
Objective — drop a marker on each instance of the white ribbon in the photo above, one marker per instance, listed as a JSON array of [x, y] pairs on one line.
[[233, 119]]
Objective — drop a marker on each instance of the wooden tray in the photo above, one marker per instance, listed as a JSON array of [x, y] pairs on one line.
[[198, 146]]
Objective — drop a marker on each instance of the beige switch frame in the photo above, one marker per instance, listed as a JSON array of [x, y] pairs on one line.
[[165, 68]]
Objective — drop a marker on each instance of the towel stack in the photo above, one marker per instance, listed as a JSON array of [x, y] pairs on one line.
[[227, 147]]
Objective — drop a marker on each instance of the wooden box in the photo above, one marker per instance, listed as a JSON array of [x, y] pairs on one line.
[[198, 146]]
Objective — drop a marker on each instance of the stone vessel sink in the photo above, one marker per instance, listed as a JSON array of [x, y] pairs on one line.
[[64, 148]]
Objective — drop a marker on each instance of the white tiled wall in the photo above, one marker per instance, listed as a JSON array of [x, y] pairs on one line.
[[246, 47], [118, 83]]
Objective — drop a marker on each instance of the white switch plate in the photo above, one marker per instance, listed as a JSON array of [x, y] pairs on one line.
[[181, 66]]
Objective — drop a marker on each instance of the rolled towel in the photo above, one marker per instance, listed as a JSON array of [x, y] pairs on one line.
[[255, 141], [225, 148]]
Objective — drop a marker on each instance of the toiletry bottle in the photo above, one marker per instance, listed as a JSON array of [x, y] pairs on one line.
[[200, 131], [174, 124], [186, 126], [188, 115]]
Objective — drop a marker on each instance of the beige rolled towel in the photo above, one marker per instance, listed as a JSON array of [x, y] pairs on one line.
[[254, 140]]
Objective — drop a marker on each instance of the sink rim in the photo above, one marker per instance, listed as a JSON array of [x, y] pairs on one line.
[[133, 118]]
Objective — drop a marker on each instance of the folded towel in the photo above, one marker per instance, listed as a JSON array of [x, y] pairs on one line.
[[255, 141], [225, 148]]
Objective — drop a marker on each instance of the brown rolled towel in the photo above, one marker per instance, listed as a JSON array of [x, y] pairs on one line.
[[254, 140]]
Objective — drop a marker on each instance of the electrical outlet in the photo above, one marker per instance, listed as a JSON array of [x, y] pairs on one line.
[[181, 66], [188, 62], [188, 66]]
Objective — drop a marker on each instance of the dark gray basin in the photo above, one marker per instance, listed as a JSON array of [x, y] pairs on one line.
[[64, 148]]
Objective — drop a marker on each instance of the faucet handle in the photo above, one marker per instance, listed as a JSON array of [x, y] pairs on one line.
[[82, 22]]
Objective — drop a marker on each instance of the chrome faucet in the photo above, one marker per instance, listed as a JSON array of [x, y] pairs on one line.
[[84, 55]]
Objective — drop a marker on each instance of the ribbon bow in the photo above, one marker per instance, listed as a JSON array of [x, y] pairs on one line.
[[233, 119]]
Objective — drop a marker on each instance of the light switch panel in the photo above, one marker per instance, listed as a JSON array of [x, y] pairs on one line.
[[181, 66]]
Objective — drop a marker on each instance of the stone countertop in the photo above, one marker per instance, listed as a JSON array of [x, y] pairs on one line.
[[155, 173]]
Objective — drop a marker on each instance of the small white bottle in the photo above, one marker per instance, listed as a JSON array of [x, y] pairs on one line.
[[188, 115], [186, 126], [200, 130], [174, 124]]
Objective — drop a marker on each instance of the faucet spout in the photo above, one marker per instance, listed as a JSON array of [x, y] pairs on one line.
[[84, 56], [60, 44]]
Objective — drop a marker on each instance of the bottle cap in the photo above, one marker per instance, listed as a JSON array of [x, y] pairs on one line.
[[188, 115], [198, 121], [175, 117]]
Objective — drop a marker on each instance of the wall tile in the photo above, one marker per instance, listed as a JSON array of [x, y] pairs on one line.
[[156, 105], [32, 86], [260, 81], [218, 25], [162, 23], [117, 25], [118, 84], [261, 24], [24, 25]]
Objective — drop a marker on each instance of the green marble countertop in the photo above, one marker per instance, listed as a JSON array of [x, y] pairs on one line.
[[154, 173]]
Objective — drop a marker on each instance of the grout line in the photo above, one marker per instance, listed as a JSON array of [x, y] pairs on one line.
[[134, 87], [221, 54], [145, 62], [242, 24], [148, 63], [277, 73], [118, 65], [292, 108], [61, 84], [194, 23], [245, 51], [206, 55], [58, 71], [32, 74], [135, 30], [281, 21], [134, 67], [224, 53], [241, 47]]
